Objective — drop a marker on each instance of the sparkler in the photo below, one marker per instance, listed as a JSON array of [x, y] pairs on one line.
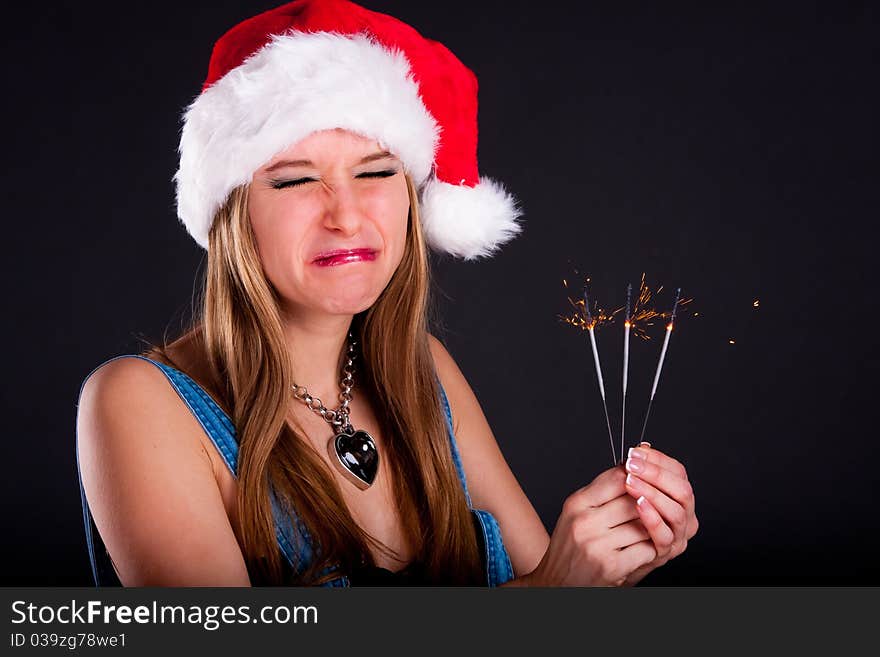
[[627, 325], [662, 357], [591, 326], [640, 314]]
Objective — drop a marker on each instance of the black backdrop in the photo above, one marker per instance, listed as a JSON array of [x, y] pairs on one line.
[[729, 151]]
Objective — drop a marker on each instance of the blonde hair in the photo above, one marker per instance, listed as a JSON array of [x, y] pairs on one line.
[[239, 335]]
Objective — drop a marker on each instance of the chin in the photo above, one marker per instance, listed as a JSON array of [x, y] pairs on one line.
[[350, 304]]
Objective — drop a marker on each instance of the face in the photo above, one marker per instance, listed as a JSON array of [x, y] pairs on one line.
[[330, 218]]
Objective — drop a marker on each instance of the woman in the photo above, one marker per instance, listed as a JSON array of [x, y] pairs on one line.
[[329, 147]]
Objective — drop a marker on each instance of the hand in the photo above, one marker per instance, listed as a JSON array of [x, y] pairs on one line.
[[598, 540], [665, 504]]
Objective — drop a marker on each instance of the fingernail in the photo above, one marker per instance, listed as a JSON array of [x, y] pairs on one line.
[[641, 500], [635, 453], [645, 443], [634, 465], [631, 481]]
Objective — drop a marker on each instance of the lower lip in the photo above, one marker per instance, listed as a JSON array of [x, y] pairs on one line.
[[346, 258]]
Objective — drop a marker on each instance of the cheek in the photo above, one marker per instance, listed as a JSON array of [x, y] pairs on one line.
[[277, 234], [260, 223], [394, 217]]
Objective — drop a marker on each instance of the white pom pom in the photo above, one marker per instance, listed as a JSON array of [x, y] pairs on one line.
[[469, 222]]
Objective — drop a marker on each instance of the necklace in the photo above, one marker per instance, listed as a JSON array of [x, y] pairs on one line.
[[352, 451]]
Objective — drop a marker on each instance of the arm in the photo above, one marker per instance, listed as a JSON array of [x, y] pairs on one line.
[[598, 539], [150, 483], [491, 483]]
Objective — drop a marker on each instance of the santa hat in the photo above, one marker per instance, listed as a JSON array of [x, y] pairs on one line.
[[312, 65]]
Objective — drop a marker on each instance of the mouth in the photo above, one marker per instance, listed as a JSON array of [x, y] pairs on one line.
[[344, 257]]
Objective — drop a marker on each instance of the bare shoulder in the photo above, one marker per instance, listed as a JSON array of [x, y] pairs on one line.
[[447, 369], [473, 436], [123, 393], [491, 483], [118, 378], [150, 483]]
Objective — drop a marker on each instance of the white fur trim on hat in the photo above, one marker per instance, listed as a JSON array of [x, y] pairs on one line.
[[468, 222], [297, 84]]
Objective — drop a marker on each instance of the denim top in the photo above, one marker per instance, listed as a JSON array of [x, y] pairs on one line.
[[289, 529]]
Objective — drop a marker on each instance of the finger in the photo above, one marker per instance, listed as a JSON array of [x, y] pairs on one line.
[[661, 534], [653, 455], [628, 534], [635, 556], [673, 513], [618, 511], [604, 488], [671, 483]]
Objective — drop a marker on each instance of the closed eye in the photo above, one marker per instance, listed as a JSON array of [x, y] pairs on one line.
[[378, 174], [283, 184]]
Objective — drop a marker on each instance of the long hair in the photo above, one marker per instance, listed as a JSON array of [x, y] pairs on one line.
[[238, 333]]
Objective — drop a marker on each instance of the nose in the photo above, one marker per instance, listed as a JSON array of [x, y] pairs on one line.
[[343, 213]]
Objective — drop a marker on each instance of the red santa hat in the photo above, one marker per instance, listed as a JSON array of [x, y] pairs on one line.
[[312, 65]]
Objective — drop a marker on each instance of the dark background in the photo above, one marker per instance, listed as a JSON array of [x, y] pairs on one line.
[[731, 151]]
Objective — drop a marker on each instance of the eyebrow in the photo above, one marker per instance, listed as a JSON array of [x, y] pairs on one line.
[[307, 163]]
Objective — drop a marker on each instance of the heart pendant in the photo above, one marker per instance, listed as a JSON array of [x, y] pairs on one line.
[[356, 456]]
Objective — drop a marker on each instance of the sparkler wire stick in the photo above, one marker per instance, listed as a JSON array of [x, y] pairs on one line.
[[660, 364], [591, 327], [627, 326]]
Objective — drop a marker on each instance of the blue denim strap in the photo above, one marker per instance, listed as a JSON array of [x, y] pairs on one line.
[[455, 455], [498, 566]]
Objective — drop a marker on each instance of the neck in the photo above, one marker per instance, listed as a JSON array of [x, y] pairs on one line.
[[315, 344]]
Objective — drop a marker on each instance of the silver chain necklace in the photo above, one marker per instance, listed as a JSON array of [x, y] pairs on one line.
[[352, 451]]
